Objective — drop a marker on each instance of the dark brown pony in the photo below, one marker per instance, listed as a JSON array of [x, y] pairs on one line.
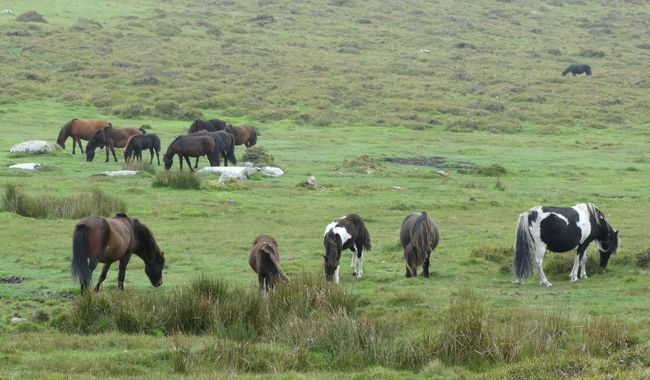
[[111, 138], [243, 134], [207, 125], [100, 240], [226, 143], [265, 261], [138, 143], [79, 129], [192, 146], [419, 236]]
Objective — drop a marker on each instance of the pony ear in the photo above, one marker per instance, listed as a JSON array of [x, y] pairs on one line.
[[121, 215], [616, 233]]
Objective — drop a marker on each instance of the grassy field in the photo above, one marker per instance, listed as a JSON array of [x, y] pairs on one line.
[[337, 89]]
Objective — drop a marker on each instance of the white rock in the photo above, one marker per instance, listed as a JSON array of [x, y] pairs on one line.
[[27, 166], [239, 173], [425, 51], [17, 320], [271, 171], [119, 173], [33, 146]]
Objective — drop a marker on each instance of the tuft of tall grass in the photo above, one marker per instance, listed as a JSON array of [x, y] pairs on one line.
[[180, 356], [141, 166], [176, 180], [94, 202], [604, 336]]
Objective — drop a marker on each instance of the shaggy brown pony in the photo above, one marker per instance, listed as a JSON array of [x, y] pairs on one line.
[[243, 134], [265, 261], [419, 236], [79, 129]]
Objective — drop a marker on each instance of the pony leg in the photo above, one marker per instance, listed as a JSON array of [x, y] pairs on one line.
[[573, 276], [151, 156], [336, 274], [260, 279], [189, 164], [583, 270], [360, 263], [353, 264], [539, 258], [113, 151], [157, 157], [196, 164], [102, 276], [425, 267], [107, 155], [124, 261]]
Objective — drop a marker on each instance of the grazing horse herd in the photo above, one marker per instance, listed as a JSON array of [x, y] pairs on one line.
[[102, 240], [212, 138]]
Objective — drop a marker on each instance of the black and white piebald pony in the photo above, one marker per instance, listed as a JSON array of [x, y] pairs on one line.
[[560, 229], [348, 232]]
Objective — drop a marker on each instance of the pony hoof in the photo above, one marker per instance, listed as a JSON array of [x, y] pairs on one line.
[[548, 284], [354, 274], [574, 279]]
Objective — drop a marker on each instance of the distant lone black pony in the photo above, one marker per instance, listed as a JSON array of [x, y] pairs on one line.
[[207, 125], [100, 240], [347, 232], [264, 258], [419, 237], [192, 146], [577, 69], [137, 143], [226, 143], [561, 229]]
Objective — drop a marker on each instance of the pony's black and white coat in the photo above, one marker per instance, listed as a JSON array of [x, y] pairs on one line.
[[560, 229], [347, 232]]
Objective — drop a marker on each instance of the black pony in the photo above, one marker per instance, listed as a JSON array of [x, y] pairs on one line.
[[207, 125], [348, 232], [226, 143], [192, 146], [576, 69], [137, 143], [419, 236], [560, 229]]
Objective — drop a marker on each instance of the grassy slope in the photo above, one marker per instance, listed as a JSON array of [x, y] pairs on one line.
[[319, 65]]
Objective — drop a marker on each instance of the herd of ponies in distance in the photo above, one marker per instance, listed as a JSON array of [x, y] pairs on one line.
[[106, 240], [211, 138]]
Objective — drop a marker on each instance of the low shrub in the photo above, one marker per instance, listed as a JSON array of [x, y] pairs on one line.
[[259, 156], [176, 180], [94, 202]]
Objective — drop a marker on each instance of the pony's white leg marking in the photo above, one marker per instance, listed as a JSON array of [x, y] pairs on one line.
[[360, 260], [583, 272], [336, 274], [539, 258], [574, 271], [354, 261]]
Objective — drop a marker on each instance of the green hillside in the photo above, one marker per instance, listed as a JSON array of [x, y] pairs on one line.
[[457, 109]]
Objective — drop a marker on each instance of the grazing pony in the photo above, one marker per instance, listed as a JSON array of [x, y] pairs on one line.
[[100, 240], [111, 138], [560, 229], [348, 232], [137, 143], [79, 129], [192, 146], [264, 258], [577, 69], [244, 134], [419, 236], [226, 143], [207, 125]]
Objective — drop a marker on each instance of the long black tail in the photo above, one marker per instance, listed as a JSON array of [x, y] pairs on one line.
[[366, 238], [79, 267], [523, 257]]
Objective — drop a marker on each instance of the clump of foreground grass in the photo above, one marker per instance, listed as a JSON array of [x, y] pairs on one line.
[[93, 202], [604, 335], [176, 180]]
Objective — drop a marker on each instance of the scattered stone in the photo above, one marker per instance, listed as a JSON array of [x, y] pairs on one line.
[[443, 173], [271, 171], [33, 147], [7, 11], [310, 183], [427, 51], [239, 173], [17, 320], [27, 166], [119, 173], [397, 187]]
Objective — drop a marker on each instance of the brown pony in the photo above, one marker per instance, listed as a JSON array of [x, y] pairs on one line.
[[265, 261], [419, 236], [79, 129], [192, 146], [111, 138], [100, 240], [243, 134]]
